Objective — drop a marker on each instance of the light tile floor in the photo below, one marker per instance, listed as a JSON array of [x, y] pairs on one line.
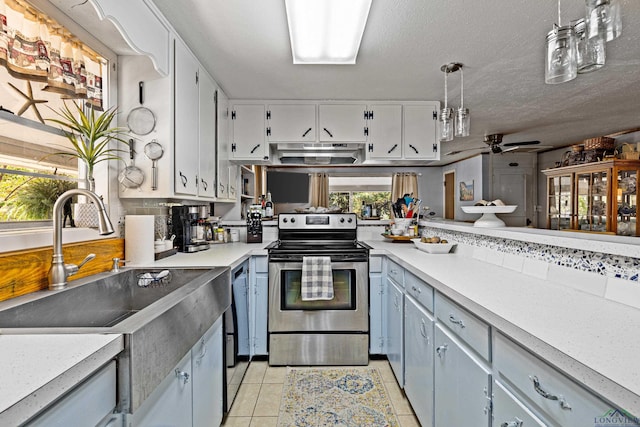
[[258, 400]]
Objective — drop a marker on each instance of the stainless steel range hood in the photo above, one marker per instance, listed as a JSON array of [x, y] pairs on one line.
[[318, 154]]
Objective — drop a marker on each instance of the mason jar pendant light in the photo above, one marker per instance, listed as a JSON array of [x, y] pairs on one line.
[[446, 115], [590, 51], [463, 120], [561, 60]]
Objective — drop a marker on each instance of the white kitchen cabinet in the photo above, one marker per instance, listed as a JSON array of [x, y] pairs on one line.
[[259, 284], [462, 384], [291, 123], [377, 307], [170, 404], [509, 411], [186, 134], [395, 330], [206, 184], [223, 147], [194, 128], [248, 132], [86, 405], [207, 364], [467, 327], [420, 131], [342, 122], [418, 360], [152, 38], [384, 126]]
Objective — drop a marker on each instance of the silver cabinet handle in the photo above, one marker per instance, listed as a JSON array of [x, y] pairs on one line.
[[441, 350], [455, 321], [423, 330], [203, 352], [517, 422], [416, 290], [184, 376], [542, 392], [396, 303]]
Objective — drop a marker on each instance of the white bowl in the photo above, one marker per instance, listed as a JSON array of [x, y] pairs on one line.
[[403, 222], [434, 248], [398, 231]]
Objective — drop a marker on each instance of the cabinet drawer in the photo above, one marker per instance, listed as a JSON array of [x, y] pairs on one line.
[[418, 289], [395, 272], [465, 325], [558, 397], [509, 411], [375, 264]]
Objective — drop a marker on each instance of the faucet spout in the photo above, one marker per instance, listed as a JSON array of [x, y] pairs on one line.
[[59, 270]]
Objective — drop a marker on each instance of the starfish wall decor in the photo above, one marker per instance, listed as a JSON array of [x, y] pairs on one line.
[[30, 101]]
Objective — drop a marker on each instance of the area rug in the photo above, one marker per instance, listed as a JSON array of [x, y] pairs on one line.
[[345, 397]]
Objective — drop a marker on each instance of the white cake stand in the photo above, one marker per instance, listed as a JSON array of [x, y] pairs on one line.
[[489, 218]]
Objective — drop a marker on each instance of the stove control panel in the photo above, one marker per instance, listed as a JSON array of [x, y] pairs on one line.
[[319, 221]]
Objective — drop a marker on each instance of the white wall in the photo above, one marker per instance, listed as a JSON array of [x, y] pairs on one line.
[[467, 170]]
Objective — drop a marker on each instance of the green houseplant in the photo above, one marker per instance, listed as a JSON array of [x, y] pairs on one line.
[[90, 135]]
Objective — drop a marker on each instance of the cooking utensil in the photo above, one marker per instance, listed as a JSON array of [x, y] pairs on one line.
[[131, 176], [141, 120], [153, 150]]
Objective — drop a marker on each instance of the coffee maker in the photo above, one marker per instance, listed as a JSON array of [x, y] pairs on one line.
[[189, 229], [254, 226]]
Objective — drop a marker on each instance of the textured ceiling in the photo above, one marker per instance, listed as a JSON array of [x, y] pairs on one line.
[[245, 45]]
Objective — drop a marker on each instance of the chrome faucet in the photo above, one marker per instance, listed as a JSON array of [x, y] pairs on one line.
[[59, 270]]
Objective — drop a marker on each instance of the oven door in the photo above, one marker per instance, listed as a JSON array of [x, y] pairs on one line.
[[347, 311]]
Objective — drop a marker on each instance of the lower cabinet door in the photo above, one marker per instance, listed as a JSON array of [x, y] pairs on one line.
[[170, 403], [462, 384], [260, 310], [418, 361], [395, 331], [208, 379], [508, 411]]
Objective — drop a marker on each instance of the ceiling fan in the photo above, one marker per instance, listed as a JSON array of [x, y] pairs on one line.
[[495, 146]]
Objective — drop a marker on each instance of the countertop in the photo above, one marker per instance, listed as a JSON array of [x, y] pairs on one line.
[[37, 369], [583, 335]]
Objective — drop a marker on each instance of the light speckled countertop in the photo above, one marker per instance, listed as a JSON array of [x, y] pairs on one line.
[[587, 337], [582, 335], [37, 369]]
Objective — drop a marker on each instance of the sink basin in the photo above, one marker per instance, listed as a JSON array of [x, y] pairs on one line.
[[101, 303], [160, 322]]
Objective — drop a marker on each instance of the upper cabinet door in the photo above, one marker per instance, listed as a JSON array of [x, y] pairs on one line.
[[152, 38], [385, 132], [186, 120], [421, 132], [207, 140], [342, 122], [291, 123], [248, 132]]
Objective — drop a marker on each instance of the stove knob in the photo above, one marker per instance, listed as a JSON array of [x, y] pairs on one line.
[[350, 220], [285, 220], [341, 219], [293, 220]]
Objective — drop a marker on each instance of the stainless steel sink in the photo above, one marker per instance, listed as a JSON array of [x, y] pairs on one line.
[[160, 322]]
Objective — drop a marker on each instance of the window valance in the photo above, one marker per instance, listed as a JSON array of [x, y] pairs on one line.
[[34, 47]]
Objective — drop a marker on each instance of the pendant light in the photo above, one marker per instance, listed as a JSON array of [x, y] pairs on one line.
[[463, 120], [604, 19], [590, 51], [446, 115], [561, 60]]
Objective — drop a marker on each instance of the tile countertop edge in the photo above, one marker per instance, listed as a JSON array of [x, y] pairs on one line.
[[614, 245], [576, 368], [39, 398]]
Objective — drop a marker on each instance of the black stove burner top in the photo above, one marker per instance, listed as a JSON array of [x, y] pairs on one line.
[[338, 250]]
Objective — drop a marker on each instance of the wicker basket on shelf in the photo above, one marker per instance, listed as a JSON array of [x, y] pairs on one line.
[[627, 152], [599, 143]]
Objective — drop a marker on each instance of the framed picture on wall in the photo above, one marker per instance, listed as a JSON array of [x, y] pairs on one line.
[[466, 191]]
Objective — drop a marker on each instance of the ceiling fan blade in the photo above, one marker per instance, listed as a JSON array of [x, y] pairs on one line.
[[506, 150], [513, 144], [451, 153]]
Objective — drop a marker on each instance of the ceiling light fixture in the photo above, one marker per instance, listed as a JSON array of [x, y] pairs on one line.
[[562, 62], [453, 124], [326, 31]]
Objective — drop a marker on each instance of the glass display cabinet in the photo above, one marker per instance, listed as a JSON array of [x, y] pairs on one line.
[[594, 197]]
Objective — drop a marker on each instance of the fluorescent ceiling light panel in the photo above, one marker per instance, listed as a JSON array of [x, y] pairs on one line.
[[326, 31]]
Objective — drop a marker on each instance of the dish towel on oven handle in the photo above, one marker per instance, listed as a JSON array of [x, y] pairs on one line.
[[317, 278]]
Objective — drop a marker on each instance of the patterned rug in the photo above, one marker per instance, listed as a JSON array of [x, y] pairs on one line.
[[349, 397]]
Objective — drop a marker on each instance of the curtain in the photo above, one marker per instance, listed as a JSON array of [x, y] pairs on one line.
[[34, 47], [404, 183], [319, 184]]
